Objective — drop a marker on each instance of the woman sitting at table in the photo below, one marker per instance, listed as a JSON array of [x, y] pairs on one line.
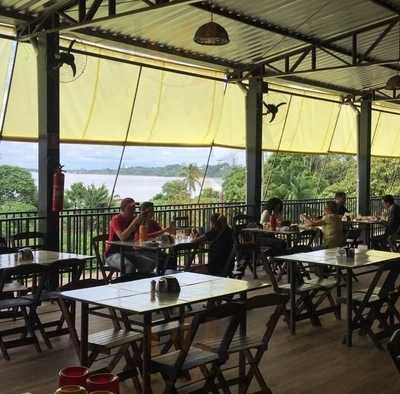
[[125, 227], [220, 245], [274, 206], [331, 224]]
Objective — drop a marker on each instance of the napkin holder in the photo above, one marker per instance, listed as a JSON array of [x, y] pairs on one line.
[[168, 284], [25, 254]]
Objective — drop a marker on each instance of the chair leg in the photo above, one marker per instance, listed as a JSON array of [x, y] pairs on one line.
[[309, 306], [41, 329], [132, 366], [31, 329], [254, 370], [3, 350]]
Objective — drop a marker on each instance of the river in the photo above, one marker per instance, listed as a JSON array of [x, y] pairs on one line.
[[141, 188]]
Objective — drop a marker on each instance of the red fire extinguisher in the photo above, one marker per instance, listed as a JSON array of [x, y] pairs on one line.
[[58, 190]]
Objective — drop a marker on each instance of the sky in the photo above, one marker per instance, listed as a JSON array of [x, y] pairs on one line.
[[75, 157]]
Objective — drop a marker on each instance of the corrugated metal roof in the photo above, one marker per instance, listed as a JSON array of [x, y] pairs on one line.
[[174, 27]]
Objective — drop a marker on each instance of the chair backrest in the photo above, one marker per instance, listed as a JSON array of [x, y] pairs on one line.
[[187, 251], [307, 237], [36, 272], [234, 311], [385, 279], [241, 221], [394, 348], [181, 222], [269, 300], [31, 239], [73, 267], [99, 245]]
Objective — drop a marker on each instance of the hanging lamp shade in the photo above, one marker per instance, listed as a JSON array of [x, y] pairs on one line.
[[393, 83], [211, 33]]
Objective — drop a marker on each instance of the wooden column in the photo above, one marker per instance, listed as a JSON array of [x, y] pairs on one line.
[[48, 78], [364, 157], [254, 103]]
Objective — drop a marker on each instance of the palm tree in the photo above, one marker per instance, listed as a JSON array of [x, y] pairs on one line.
[[96, 197], [191, 175]]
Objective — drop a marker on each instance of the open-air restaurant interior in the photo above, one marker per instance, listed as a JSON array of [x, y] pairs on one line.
[[264, 295]]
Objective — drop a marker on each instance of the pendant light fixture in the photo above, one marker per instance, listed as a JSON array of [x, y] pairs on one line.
[[393, 83], [211, 33]]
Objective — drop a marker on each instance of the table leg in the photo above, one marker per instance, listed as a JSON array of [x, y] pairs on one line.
[[122, 254], [242, 357], [349, 287], [147, 320], [292, 279], [339, 291], [84, 334]]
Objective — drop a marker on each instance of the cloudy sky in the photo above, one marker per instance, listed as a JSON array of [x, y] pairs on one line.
[[98, 156]]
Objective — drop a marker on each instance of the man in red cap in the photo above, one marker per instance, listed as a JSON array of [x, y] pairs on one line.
[[123, 227]]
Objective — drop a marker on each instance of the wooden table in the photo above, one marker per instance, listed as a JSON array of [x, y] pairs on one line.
[[366, 225], [136, 297], [328, 257], [154, 246], [42, 257]]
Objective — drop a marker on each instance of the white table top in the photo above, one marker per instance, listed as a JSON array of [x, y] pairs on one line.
[[43, 257], [330, 257], [136, 296]]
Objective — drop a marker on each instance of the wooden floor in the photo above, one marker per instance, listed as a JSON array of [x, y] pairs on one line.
[[312, 362]]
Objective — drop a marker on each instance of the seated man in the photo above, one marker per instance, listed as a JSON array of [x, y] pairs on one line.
[[340, 199], [220, 245], [123, 227], [392, 224]]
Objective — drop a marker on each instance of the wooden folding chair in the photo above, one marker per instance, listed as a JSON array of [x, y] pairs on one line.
[[114, 343], [253, 347], [24, 306], [394, 349], [377, 304], [99, 243], [175, 364], [310, 296]]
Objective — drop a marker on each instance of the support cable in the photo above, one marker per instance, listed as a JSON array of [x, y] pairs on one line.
[[10, 76], [205, 172], [126, 136]]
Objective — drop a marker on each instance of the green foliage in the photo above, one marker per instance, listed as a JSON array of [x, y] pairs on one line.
[[173, 192], [17, 206], [81, 196], [233, 185], [17, 187], [209, 195]]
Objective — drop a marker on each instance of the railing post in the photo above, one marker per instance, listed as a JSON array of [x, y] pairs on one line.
[[254, 103], [49, 133]]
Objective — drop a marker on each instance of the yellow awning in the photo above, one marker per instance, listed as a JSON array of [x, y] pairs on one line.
[[172, 109]]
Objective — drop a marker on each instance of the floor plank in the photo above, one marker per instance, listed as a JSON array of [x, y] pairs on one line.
[[312, 362]]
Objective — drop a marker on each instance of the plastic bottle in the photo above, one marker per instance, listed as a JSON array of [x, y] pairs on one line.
[[142, 233]]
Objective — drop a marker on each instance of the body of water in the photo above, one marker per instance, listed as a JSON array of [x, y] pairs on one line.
[[141, 188]]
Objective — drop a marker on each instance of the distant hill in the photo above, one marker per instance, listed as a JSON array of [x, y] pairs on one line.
[[172, 170]]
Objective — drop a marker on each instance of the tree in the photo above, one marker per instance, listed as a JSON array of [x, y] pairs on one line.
[[17, 188], [173, 192], [192, 176], [233, 185], [81, 196], [209, 195]]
